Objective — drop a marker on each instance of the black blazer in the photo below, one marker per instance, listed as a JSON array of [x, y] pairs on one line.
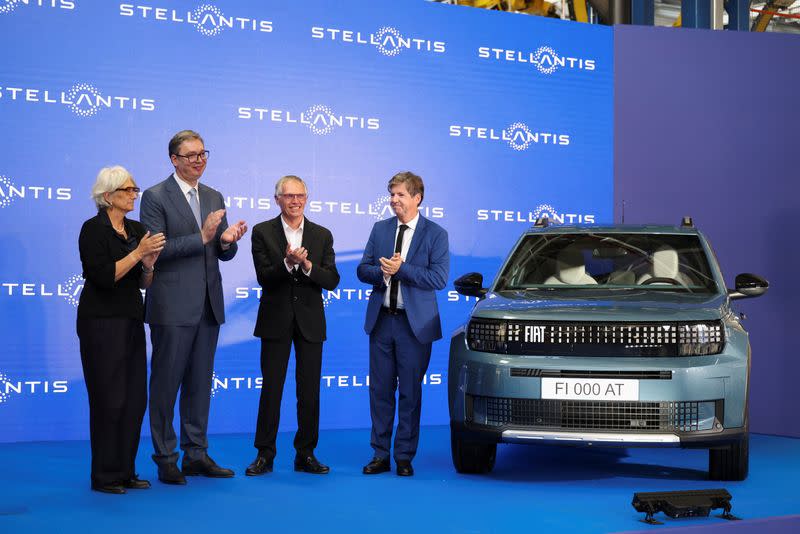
[[100, 249], [286, 296]]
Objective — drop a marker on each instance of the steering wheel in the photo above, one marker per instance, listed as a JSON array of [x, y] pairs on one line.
[[661, 280]]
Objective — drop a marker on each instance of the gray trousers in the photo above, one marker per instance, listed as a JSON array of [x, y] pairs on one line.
[[183, 359]]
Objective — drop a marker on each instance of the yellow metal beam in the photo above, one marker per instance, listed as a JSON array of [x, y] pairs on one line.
[[765, 15], [580, 11], [762, 21]]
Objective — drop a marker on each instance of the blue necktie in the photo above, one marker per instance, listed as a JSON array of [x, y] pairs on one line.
[[195, 205]]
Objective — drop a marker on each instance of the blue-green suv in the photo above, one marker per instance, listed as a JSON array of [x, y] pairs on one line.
[[606, 336]]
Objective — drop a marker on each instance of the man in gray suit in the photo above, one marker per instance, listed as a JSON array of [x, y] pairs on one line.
[[185, 307]]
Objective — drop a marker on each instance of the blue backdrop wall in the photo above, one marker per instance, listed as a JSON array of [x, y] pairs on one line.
[[482, 105], [704, 126]]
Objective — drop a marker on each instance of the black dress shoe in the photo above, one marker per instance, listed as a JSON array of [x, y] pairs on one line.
[[114, 488], [404, 468], [309, 464], [205, 467], [259, 466], [170, 474], [377, 465], [136, 483]]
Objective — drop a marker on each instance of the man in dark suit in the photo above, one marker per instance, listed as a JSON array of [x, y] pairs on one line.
[[184, 307], [406, 260], [294, 261]]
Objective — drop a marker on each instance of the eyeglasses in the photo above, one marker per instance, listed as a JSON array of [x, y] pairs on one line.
[[129, 189], [293, 196], [194, 158]]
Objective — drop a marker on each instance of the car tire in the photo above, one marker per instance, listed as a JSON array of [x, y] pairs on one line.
[[472, 457], [731, 462]]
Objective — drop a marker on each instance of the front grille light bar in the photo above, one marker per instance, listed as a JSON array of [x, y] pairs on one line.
[[487, 335], [501, 336], [699, 339]]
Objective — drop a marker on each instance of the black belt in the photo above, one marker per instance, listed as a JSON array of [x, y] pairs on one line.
[[388, 311]]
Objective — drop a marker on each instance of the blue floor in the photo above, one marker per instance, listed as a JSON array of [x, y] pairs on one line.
[[45, 487]]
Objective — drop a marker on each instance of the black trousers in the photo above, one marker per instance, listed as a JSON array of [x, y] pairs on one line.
[[274, 361], [114, 359]]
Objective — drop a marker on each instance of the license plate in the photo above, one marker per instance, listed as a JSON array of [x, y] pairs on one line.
[[606, 389]]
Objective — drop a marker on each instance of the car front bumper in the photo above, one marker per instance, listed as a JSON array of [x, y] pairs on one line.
[[697, 401]]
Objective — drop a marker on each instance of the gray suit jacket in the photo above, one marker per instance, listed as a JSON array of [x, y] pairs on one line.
[[186, 269]]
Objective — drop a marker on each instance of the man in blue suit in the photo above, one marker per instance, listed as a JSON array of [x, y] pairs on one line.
[[407, 258], [185, 308]]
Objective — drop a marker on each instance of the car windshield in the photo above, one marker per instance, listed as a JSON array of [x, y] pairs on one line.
[[658, 262]]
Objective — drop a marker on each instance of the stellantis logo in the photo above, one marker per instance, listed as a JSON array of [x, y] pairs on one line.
[[379, 209], [219, 383], [387, 40], [556, 217], [72, 289], [9, 387], [207, 19], [69, 290], [319, 119], [545, 59], [345, 294], [245, 202], [7, 6], [9, 192], [517, 135], [83, 99], [4, 381]]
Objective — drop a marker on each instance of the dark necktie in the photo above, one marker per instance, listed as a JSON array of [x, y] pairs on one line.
[[398, 247]]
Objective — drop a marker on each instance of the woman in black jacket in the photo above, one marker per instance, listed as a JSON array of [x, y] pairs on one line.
[[118, 259]]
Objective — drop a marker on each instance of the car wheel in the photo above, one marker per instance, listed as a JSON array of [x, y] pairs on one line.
[[731, 462], [472, 457]]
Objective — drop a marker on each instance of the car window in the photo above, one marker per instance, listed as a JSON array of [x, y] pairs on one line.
[[658, 262]]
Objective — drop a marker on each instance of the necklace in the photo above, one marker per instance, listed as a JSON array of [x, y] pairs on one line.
[[120, 230]]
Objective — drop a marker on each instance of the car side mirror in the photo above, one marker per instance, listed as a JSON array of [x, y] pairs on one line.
[[748, 285], [470, 285]]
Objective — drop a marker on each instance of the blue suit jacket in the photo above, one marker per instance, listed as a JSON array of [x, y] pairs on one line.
[[424, 271], [186, 269]]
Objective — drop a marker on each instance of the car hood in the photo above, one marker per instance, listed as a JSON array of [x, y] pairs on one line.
[[601, 305]]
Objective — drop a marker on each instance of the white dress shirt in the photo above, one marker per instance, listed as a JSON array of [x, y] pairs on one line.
[[407, 235], [295, 240], [186, 188]]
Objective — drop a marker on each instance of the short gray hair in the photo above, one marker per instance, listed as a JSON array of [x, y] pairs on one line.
[[109, 179], [289, 178]]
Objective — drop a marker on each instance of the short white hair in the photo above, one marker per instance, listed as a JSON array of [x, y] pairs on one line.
[[289, 178], [109, 179]]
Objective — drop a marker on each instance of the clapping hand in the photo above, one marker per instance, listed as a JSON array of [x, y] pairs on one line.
[[150, 246], [234, 232], [390, 266], [298, 256], [210, 225]]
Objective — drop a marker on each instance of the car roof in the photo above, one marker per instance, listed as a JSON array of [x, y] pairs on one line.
[[614, 228]]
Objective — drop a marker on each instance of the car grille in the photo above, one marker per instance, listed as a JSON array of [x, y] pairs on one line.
[[586, 415], [564, 338]]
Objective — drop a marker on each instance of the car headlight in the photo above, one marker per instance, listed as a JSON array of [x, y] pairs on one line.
[[487, 335], [700, 339]]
